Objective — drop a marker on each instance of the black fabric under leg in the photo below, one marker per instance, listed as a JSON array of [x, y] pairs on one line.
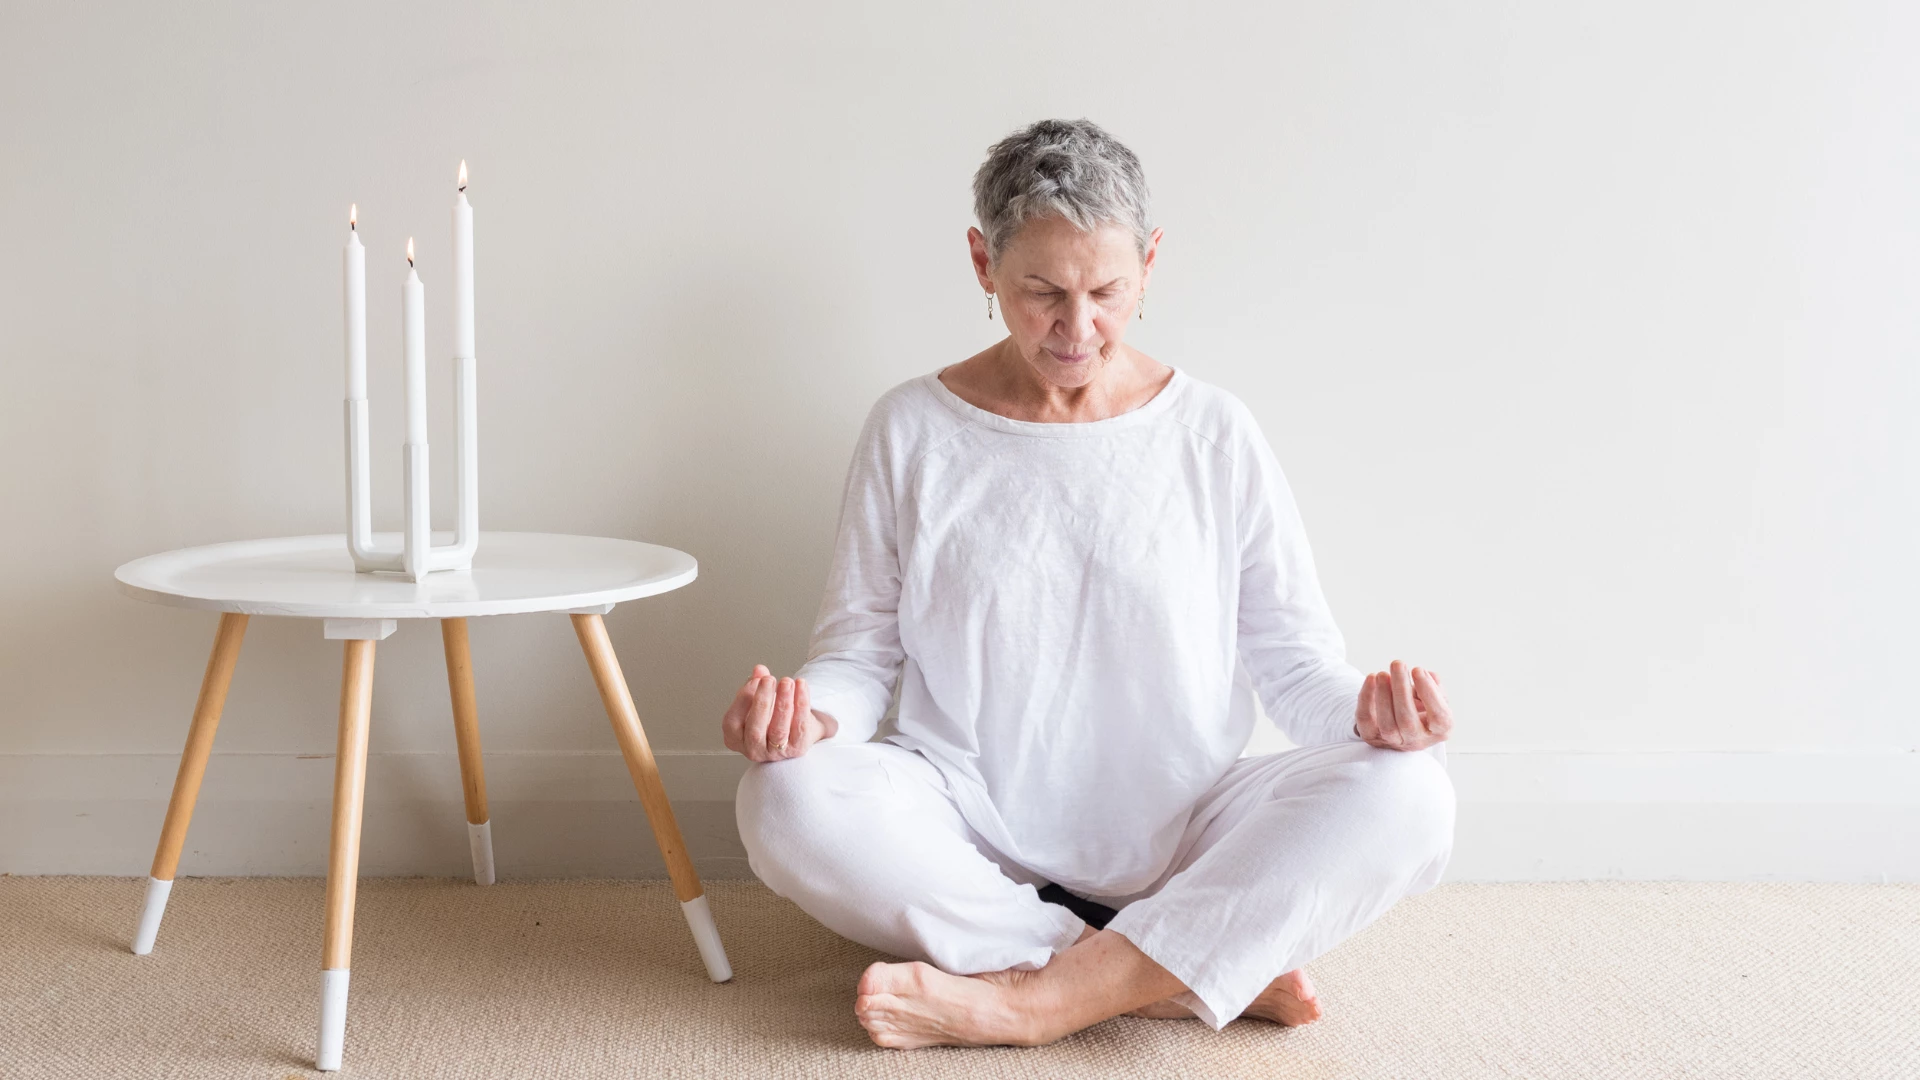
[[1094, 915]]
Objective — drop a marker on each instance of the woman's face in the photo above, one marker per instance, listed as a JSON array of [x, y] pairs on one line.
[[1066, 295]]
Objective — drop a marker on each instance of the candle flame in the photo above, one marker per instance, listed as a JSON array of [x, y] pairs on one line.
[[353, 216], [463, 174], [409, 251]]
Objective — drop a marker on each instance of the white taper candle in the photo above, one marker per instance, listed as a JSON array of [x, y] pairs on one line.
[[354, 268], [462, 272], [414, 340]]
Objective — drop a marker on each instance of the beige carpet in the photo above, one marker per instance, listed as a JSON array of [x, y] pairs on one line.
[[599, 979]]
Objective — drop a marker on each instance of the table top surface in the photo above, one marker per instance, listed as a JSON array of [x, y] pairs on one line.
[[313, 577]]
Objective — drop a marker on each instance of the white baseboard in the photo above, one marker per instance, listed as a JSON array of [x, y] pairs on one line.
[[1524, 815]]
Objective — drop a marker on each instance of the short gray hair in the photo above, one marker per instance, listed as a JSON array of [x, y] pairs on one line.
[[1070, 169]]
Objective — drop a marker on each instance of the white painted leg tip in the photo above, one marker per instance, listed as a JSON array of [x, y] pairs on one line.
[[706, 937], [333, 1019], [151, 911], [480, 841]]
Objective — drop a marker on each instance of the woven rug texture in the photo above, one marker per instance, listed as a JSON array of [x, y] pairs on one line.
[[600, 979]]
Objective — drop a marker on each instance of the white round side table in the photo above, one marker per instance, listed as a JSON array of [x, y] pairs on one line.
[[312, 577]]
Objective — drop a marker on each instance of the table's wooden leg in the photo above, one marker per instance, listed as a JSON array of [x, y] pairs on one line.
[[466, 735], [343, 861], [592, 631], [186, 783]]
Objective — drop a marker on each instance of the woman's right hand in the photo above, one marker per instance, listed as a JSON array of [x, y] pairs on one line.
[[772, 720]]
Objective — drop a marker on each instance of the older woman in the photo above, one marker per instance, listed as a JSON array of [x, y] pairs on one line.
[[1082, 565]]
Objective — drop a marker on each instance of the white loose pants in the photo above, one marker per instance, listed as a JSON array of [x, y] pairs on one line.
[[1284, 858]]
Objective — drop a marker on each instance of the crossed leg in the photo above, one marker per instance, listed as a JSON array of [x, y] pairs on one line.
[[1288, 855], [865, 839], [909, 1005]]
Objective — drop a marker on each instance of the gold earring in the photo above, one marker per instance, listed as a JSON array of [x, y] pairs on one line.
[[1142, 307], [989, 305]]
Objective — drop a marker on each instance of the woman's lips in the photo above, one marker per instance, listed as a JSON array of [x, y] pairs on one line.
[[1068, 358]]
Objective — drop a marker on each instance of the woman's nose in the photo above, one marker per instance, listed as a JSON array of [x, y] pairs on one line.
[[1078, 323]]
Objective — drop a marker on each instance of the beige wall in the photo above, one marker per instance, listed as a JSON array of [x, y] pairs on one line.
[[1585, 333]]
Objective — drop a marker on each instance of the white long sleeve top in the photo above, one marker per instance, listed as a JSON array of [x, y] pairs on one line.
[[1082, 613]]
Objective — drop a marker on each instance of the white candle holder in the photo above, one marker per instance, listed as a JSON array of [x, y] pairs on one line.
[[416, 557]]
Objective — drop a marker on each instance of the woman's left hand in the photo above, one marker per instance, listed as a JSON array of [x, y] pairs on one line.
[[1402, 709]]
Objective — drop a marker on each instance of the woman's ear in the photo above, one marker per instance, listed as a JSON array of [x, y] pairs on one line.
[[982, 265], [1146, 264]]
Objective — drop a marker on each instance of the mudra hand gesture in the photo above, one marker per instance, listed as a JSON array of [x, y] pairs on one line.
[[1402, 709], [771, 719]]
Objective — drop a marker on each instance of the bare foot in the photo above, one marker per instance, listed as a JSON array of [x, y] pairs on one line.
[[1287, 1000], [916, 1004], [904, 1006]]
